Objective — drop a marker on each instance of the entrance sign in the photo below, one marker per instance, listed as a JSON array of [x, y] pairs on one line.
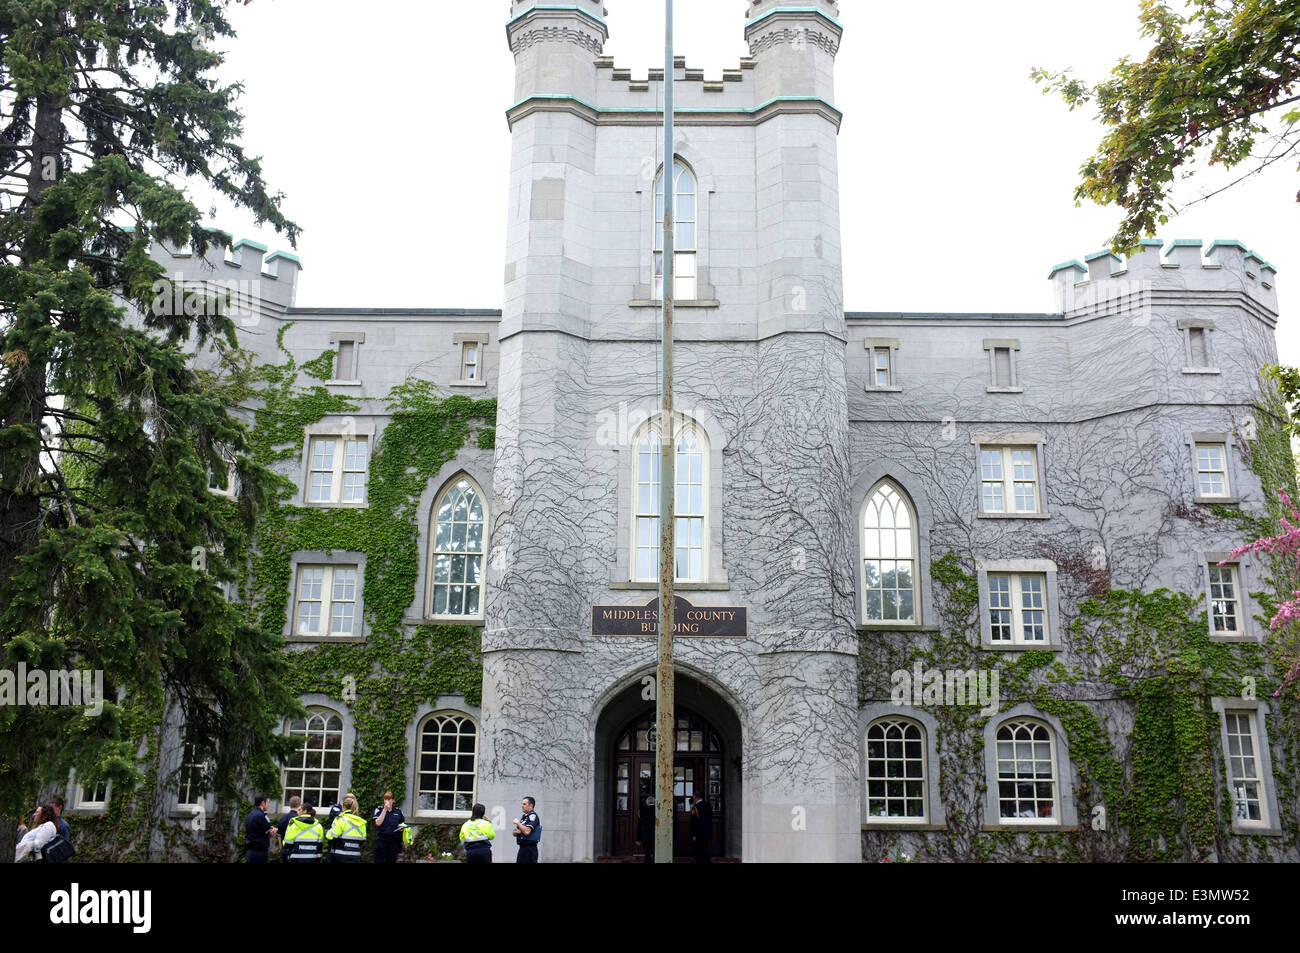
[[706, 622]]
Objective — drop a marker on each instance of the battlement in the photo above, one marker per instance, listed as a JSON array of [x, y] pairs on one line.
[[257, 282], [682, 73], [1226, 266]]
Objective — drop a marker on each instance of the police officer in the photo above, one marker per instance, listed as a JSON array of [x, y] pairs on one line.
[[347, 834], [528, 832], [389, 822], [257, 831], [477, 834], [305, 837]]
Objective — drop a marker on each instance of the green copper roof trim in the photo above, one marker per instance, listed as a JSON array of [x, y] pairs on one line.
[[1184, 243], [250, 243], [1098, 254], [1255, 255], [1152, 241], [1225, 243], [1072, 263], [560, 8], [679, 109], [819, 12], [283, 254]]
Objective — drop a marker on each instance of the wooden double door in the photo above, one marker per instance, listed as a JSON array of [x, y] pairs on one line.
[[697, 770]]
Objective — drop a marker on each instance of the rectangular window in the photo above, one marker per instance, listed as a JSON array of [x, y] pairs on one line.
[[326, 601], [190, 789], [881, 367], [469, 361], [345, 367], [221, 480], [1008, 480], [1244, 782], [94, 797], [1018, 608], [337, 471], [1212, 470], [1002, 367], [1197, 346], [1225, 607]]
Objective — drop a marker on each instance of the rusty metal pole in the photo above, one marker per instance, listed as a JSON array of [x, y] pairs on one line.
[[665, 708]]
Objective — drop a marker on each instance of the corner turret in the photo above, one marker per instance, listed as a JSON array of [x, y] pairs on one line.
[[793, 45]]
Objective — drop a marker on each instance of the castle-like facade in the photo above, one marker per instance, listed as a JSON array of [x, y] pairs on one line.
[[919, 513]]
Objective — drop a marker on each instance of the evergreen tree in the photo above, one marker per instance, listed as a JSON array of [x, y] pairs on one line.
[[112, 548]]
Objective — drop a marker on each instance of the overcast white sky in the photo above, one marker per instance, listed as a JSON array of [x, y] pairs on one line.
[[384, 125]]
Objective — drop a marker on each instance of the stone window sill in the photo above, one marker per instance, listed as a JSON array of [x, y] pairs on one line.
[[1200, 370], [344, 383], [1005, 390], [883, 825], [679, 587], [322, 639], [1013, 516], [999, 647], [694, 303], [1243, 831], [1238, 637], [447, 620], [888, 390], [1029, 828], [896, 627], [1210, 500], [468, 384]]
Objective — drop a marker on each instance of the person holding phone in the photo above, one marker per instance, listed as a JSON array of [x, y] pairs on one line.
[[389, 822]]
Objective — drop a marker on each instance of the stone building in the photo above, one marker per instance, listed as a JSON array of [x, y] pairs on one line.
[[886, 495]]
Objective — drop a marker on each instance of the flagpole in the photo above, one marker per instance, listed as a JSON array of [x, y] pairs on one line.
[[665, 714]]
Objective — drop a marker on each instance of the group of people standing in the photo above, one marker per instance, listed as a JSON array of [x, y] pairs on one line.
[[304, 839], [49, 838]]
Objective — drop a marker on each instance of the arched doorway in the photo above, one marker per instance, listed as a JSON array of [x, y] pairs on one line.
[[699, 769]]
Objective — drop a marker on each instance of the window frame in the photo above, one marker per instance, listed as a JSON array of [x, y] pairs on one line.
[[889, 347], [1228, 495], [935, 812], [1012, 346], [681, 427], [1246, 631], [463, 340], [229, 490], [337, 339], [680, 253], [433, 552], [89, 805], [917, 607], [1206, 326], [1017, 568], [328, 560], [1258, 711], [338, 469], [1007, 444], [416, 787], [1065, 810], [344, 769]]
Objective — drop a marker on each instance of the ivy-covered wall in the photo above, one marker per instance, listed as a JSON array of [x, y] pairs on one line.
[[383, 680], [1132, 689]]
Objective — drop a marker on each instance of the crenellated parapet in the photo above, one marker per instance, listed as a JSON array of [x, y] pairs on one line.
[[255, 282], [794, 47], [1159, 271]]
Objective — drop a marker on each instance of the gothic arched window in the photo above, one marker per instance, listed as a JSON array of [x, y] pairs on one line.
[[889, 556], [686, 218], [456, 552]]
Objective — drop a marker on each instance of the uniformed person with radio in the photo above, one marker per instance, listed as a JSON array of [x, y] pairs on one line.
[[389, 822], [477, 834], [347, 834], [528, 832]]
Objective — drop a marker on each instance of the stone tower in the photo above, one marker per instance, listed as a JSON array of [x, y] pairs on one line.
[[760, 367]]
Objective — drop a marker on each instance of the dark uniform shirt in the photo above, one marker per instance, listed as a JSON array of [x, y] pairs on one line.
[[527, 820], [391, 829], [257, 831], [283, 825]]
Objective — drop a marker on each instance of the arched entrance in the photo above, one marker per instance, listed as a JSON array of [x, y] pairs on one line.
[[698, 770], [707, 761]]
